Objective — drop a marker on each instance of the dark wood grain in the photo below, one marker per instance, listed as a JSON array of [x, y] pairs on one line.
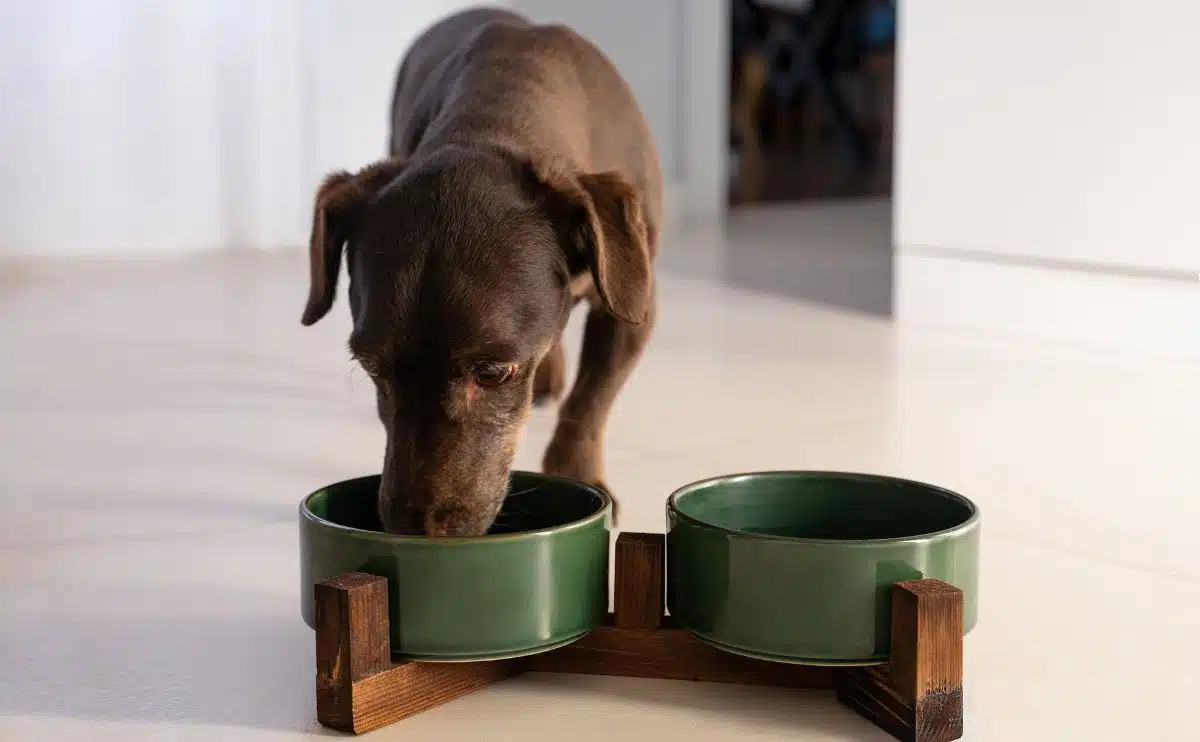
[[868, 692], [409, 688], [351, 616], [919, 697], [672, 654], [638, 587], [927, 655]]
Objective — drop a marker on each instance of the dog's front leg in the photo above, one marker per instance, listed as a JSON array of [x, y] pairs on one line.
[[611, 349]]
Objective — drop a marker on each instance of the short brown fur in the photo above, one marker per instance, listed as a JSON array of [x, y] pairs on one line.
[[521, 179]]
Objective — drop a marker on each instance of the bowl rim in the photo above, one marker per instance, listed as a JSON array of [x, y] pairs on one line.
[[970, 523], [602, 513]]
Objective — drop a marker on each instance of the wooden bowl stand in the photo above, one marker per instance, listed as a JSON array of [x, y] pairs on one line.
[[917, 696]]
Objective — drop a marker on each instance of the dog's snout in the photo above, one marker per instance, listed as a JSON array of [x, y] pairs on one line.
[[442, 520], [416, 506], [398, 518], [438, 520], [441, 478]]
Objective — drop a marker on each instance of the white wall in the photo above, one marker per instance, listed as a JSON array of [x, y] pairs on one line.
[[111, 116], [1063, 130], [358, 45], [1046, 174], [151, 127]]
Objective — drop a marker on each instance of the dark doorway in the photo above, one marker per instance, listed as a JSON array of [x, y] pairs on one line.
[[812, 85]]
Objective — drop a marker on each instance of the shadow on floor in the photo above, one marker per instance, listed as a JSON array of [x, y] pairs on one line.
[[789, 712]]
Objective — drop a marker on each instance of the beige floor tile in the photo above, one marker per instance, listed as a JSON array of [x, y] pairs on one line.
[[159, 422]]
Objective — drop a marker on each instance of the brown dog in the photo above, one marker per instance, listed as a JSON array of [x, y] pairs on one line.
[[522, 178]]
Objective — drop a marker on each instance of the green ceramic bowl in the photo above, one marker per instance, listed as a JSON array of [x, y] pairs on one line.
[[798, 566], [538, 581]]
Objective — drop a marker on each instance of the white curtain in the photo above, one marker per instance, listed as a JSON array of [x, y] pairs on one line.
[[160, 126]]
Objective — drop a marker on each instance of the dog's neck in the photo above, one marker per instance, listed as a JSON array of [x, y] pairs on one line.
[[507, 113]]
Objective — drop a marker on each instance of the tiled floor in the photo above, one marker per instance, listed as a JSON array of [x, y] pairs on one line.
[[159, 421]]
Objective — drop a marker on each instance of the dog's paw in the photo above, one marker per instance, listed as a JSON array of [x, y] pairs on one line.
[[573, 458]]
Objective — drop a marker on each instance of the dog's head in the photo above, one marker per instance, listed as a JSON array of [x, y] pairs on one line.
[[459, 268]]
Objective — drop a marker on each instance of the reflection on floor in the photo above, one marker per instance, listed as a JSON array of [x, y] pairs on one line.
[[837, 253], [159, 422]]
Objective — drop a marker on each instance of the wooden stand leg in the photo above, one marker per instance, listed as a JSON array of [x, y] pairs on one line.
[[918, 697], [352, 642], [638, 584], [359, 688]]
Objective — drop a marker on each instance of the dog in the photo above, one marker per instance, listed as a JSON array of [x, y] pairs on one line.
[[521, 179]]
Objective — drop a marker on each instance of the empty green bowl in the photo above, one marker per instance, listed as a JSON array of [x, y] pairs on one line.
[[798, 566], [537, 581]]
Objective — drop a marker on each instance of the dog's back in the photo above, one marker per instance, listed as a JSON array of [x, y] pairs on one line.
[[488, 75]]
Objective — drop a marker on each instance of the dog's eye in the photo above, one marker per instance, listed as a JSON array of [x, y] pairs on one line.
[[493, 374]]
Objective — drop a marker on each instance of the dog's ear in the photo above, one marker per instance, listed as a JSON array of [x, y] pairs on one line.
[[336, 210], [600, 216]]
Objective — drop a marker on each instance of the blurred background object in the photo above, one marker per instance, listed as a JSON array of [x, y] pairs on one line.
[[812, 97]]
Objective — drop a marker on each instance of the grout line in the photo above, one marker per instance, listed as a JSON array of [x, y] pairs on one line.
[[1068, 265]]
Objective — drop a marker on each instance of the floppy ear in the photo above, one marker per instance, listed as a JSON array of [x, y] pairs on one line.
[[604, 229], [337, 207]]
